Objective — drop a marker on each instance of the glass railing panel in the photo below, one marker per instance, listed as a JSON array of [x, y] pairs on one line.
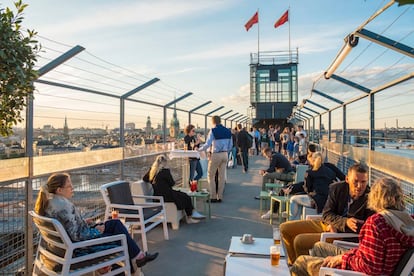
[[70, 161], [15, 168]]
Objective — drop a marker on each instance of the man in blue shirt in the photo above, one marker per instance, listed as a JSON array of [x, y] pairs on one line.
[[220, 143]]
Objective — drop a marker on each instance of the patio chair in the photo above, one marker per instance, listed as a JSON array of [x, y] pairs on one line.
[[405, 267], [137, 217], [58, 255], [329, 236], [173, 214]]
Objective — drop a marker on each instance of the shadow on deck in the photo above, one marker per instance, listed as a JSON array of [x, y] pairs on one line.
[[200, 249]]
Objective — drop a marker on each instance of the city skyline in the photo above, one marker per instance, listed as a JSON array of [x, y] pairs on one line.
[[203, 47]]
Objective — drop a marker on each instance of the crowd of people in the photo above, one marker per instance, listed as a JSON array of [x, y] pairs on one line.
[[347, 203]]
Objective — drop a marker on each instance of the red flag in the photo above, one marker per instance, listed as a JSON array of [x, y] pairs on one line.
[[252, 21], [283, 19]]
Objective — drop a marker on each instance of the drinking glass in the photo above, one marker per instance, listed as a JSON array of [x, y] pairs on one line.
[[276, 235], [275, 254]]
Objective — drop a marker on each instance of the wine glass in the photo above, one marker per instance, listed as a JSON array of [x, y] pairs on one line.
[[192, 145]]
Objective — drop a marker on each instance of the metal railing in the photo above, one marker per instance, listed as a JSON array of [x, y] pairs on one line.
[[18, 237]]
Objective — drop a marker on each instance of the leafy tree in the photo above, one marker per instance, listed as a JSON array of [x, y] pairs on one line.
[[18, 53]]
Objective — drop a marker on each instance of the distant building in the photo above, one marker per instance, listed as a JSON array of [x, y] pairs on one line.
[[174, 125], [66, 129], [148, 128], [130, 126]]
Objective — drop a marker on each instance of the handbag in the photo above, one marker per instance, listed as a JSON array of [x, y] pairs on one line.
[[230, 163]]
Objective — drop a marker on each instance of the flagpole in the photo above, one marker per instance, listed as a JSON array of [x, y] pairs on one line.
[[289, 19], [258, 37]]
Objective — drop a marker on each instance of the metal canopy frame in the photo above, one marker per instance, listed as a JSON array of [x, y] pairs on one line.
[[205, 119], [122, 108], [316, 104], [232, 116], [307, 108], [28, 244], [327, 96], [164, 130], [351, 83], [197, 108], [386, 42]]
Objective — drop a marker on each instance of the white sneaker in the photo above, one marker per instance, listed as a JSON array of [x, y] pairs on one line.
[[197, 215], [267, 215], [190, 220]]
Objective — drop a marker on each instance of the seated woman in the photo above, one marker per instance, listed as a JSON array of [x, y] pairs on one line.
[[54, 201], [383, 238], [316, 186], [161, 179]]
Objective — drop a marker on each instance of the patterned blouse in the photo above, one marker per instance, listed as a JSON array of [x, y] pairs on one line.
[[65, 212]]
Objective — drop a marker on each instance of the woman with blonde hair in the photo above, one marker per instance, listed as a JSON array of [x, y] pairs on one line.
[[162, 181], [383, 239], [53, 201], [316, 185]]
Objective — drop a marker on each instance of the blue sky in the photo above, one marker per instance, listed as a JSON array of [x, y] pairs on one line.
[[202, 45]]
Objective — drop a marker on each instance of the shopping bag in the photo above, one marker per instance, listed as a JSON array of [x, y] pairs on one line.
[[230, 163]]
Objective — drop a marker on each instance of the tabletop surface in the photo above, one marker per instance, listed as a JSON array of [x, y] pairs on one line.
[[236, 266], [184, 154], [260, 246]]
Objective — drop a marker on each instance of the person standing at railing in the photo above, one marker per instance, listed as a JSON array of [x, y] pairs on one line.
[[384, 238], [192, 142], [220, 141], [53, 201]]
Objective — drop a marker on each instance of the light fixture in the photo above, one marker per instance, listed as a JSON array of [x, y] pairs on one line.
[[350, 42]]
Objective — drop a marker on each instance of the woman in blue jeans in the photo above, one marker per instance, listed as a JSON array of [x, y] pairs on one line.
[[191, 142], [54, 201]]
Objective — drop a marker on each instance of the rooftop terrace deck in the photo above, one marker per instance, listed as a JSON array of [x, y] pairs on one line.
[[200, 249]]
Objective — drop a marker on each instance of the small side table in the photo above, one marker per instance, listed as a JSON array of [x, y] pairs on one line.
[[205, 197]]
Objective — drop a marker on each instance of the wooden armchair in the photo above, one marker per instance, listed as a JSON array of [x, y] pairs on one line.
[[138, 217], [58, 255]]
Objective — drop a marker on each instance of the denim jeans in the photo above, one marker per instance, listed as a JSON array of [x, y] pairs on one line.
[[195, 166], [114, 227], [296, 205]]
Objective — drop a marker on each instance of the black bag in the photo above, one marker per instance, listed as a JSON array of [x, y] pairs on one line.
[[249, 141]]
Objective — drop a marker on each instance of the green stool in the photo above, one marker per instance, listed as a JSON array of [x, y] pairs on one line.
[[264, 196]]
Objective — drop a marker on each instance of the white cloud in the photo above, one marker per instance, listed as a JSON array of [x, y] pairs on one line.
[[129, 14]]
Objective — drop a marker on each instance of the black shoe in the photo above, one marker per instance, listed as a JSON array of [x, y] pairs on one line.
[[147, 258], [213, 200], [257, 197], [219, 200]]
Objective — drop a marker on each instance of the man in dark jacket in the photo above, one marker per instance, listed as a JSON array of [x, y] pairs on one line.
[[279, 168], [345, 211], [243, 144]]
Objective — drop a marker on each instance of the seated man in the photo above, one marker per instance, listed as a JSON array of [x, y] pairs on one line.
[[383, 240], [345, 211], [279, 168]]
